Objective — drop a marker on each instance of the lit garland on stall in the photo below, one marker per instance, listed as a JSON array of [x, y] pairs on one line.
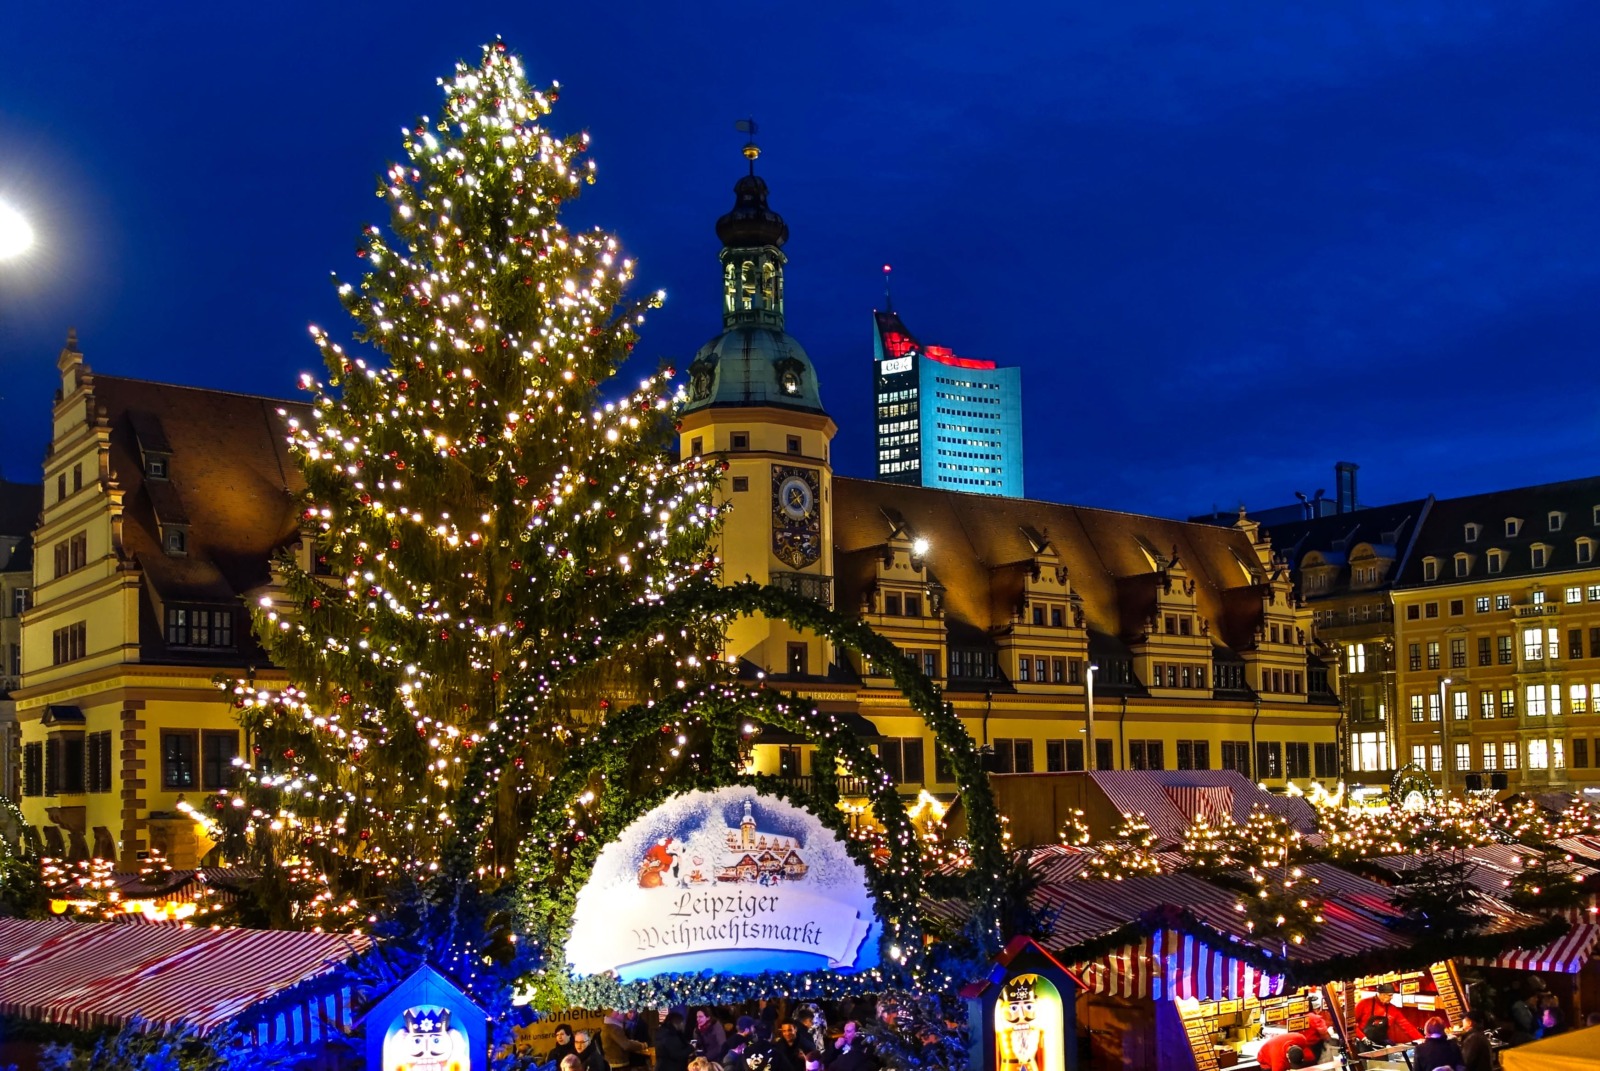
[[1130, 852]]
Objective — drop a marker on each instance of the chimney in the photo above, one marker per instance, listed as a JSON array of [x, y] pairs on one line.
[[1344, 475]]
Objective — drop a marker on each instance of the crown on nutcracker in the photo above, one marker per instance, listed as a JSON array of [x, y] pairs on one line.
[[428, 1021]]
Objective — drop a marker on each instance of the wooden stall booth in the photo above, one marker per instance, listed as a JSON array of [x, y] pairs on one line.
[[1418, 996]]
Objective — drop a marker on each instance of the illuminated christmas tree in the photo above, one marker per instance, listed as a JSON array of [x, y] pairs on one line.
[[1130, 852], [478, 512], [1207, 845]]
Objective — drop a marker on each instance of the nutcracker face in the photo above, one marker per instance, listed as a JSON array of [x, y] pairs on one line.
[[426, 1042], [1028, 1026]]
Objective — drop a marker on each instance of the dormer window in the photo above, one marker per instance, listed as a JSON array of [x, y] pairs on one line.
[[1513, 526], [1463, 564], [175, 540], [1556, 519], [1430, 569], [1585, 551], [1471, 532], [1497, 561], [155, 467], [1540, 554]]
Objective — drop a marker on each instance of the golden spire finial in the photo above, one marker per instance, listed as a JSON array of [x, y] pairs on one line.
[[751, 149]]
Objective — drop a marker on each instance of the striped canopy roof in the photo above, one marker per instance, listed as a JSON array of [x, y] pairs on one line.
[[93, 975]]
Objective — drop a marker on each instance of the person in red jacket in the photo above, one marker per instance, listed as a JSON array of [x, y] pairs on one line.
[[1275, 1055], [1378, 1006]]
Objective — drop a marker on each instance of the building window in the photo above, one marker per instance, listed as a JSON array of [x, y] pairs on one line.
[[1024, 668], [793, 444], [799, 660], [1503, 650], [155, 467], [1535, 704], [1355, 658], [1414, 655], [1481, 604], [1491, 755], [1463, 565], [1502, 602], [1485, 651], [1458, 607], [1013, 756], [789, 761], [99, 762], [21, 601], [1578, 699], [1430, 569], [1269, 760], [1574, 643], [1236, 756], [1508, 754], [1145, 755], [739, 440], [913, 606], [1486, 704], [1585, 551], [1458, 652], [1433, 654], [1497, 561], [1058, 671], [1431, 610], [1055, 617], [1580, 753], [33, 769], [177, 541], [1463, 756], [1458, 706], [697, 446], [1369, 751], [1575, 593], [1298, 759], [1508, 702], [1434, 713], [1104, 757], [1538, 755], [1471, 532], [1558, 753], [902, 759], [891, 604], [1533, 644], [1555, 519], [178, 758], [218, 749], [1540, 556], [1194, 754], [1327, 759], [1414, 612], [741, 483], [1418, 708], [1063, 756], [69, 644], [189, 626], [1513, 526]]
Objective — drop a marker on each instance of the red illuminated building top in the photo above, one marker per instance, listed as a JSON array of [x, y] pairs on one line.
[[899, 342]]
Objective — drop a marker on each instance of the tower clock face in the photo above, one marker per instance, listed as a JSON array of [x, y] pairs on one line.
[[796, 520], [796, 498]]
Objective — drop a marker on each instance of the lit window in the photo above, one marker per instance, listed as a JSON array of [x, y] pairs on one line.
[[1481, 604], [1491, 755], [1575, 594], [1355, 658], [1538, 755], [1534, 705]]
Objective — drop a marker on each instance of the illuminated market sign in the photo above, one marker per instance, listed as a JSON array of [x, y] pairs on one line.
[[730, 881]]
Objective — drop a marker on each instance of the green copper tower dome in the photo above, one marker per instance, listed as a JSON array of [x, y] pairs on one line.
[[754, 362]]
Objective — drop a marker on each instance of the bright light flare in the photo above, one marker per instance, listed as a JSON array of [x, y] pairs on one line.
[[16, 235]]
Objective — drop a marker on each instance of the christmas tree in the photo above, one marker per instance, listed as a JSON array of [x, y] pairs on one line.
[[477, 512]]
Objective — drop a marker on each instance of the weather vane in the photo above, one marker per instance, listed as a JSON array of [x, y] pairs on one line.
[[751, 149]]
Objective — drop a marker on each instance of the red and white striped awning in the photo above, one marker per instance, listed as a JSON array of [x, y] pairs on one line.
[[93, 975], [1184, 967], [1565, 955], [1214, 803]]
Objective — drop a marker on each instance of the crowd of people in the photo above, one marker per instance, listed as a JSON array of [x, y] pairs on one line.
[[765, 1035]]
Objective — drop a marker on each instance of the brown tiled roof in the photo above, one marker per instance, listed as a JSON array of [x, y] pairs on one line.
[[1104, 552], [230, 480]]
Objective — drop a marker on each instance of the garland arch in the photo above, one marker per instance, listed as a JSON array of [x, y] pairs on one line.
[[899, 885]]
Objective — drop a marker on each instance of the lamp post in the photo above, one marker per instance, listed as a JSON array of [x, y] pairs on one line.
[[1089, 749], [16, 235], [1444, 731]]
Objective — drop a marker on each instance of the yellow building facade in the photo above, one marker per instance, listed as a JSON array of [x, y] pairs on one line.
[[1497, 639], [1169, 645], [162, 508]]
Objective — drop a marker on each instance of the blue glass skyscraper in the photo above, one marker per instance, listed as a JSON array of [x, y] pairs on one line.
[[942, 420]]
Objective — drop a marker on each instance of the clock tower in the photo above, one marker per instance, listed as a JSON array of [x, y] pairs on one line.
[[753, 401]]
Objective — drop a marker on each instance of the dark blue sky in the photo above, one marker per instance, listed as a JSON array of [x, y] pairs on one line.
[[1228, 243]]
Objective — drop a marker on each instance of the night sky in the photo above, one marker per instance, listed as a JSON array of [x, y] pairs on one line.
[[1228, 243]]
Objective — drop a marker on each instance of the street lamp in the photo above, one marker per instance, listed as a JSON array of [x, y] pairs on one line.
[[1088, 722], [16, 235], [1444, 730]]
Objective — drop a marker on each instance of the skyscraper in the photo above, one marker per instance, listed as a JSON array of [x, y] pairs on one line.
[[942, 420]]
